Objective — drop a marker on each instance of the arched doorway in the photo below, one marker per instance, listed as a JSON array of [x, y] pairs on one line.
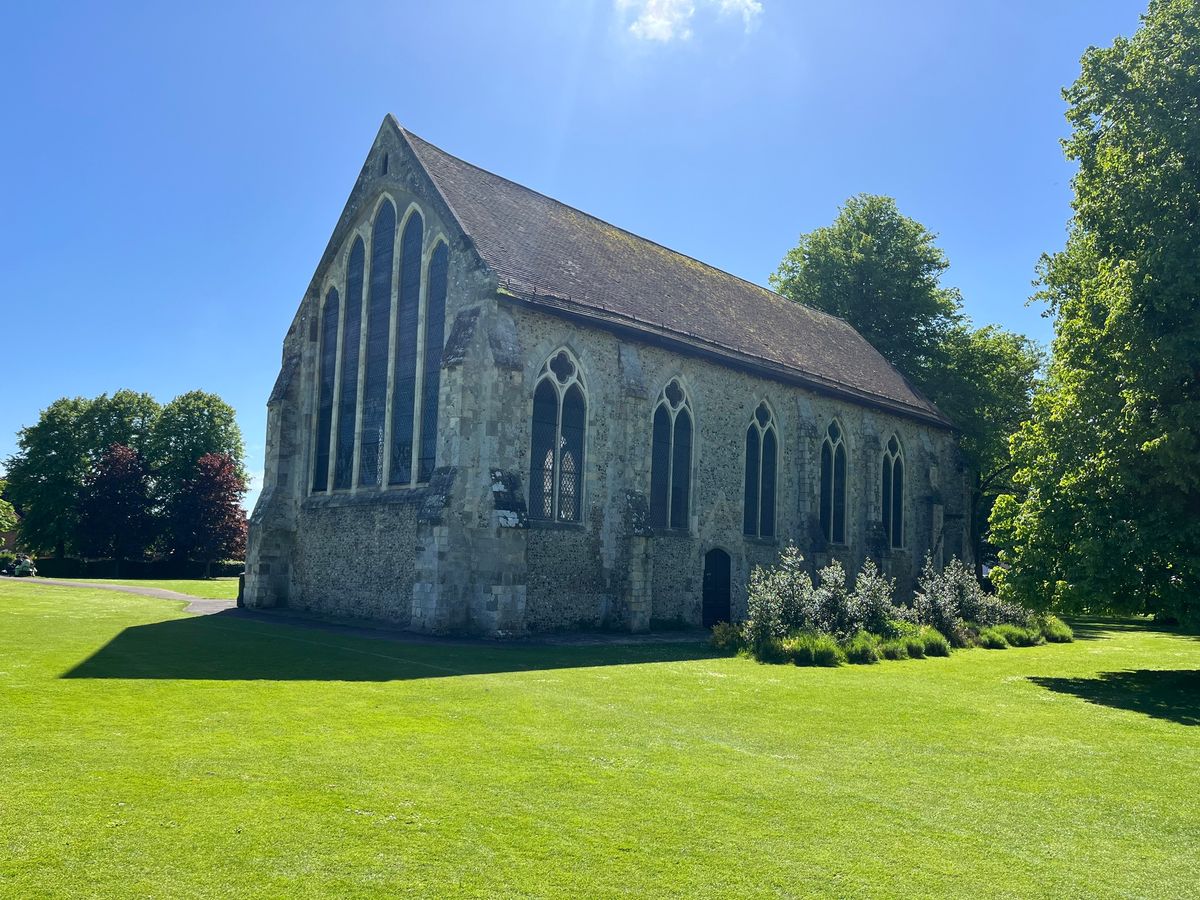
[[716, 588]]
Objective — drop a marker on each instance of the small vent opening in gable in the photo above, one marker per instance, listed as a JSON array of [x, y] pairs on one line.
[[383, 165]]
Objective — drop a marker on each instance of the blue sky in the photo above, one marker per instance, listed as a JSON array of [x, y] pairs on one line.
[[171, 172]]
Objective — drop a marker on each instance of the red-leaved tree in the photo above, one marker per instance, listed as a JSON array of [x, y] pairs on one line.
[[207, 520], [115, 507]]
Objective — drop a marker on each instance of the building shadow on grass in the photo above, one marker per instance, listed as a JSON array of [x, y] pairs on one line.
[[233, 647], [1172, 694]]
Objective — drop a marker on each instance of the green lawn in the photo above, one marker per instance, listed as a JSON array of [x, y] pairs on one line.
[[145, 752], [207, 588]]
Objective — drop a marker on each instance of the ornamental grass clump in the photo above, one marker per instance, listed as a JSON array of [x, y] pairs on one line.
[[810, 648], [862, 648], [1055, 630], [991, 639], [933, 642], [1016, 636], [895, 648]]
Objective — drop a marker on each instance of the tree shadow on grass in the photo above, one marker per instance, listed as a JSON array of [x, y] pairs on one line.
[[231, 647], [1172, 694]]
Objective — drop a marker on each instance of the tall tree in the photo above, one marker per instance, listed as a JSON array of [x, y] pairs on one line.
[[1107, 511], [880, 271], [8, 515], [115, 507], [127, 418], [46, 473], [986, 385], [190, 426], [208, 521]]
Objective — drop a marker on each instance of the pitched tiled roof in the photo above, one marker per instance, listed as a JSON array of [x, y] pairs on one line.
[[550, 253]]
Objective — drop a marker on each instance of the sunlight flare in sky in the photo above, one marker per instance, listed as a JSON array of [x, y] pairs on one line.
[[669, 20]]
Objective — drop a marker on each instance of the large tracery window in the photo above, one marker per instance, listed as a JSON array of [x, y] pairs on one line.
[[374, 423], [379, 309], [893, 492], [343, 465], [325, 378], [762, 448], [833, 484], [405, 375], [671, 459], [435, 338], [557, 444]]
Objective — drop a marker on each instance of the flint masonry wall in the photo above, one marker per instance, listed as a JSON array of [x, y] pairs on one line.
[[599, 560]]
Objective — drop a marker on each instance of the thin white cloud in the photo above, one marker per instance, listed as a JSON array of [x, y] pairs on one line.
[[671, 20]]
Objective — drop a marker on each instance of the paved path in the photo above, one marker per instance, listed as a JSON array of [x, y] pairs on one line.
[[197, 605]]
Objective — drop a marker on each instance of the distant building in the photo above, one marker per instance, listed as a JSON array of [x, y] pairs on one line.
[[499, 414]]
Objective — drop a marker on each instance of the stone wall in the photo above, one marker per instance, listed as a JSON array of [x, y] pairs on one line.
[[356, 560], [462, 553], [594, 571]]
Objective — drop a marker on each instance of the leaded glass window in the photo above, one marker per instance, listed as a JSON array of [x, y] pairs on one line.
[[558, 442], [762, 451], [405, 373], [379, 309], [435, 338], [325, 384], [833, 484], [671, 459], [343, 466], [893, 492]]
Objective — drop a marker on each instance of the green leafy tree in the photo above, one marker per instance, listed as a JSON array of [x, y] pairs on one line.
[[127, 418], [8, 515], [1106, 511], [881, 272], [46, 473], [190, 426], [986, 385]]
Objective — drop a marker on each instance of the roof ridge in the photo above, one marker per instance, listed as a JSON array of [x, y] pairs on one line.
[[774, 295]]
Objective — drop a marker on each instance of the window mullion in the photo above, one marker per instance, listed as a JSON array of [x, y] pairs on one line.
[[556, 461]]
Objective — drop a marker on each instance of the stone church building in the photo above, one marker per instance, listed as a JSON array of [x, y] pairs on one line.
[[498, 414]]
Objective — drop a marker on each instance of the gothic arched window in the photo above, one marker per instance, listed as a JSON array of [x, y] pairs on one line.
[[379, 311], [343, 464], [762, 449], [404, 387], [435, 338], [671, 459], [557, 444], [328, 361], [893, 492], [833, 484]]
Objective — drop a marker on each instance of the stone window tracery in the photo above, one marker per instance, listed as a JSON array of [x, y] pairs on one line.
[[375, 376], [404, 372], [833, 484], [893, 492], [434, 343], [558, 440], [343, 464], [671, 459], [762, 449], [327, 354]]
